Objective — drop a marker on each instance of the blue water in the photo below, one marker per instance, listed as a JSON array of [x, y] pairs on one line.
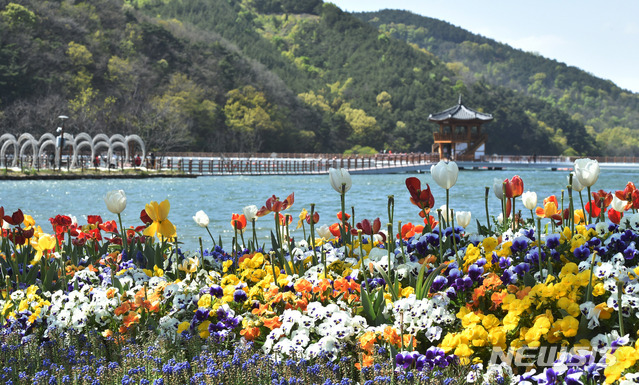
[[220, 197]]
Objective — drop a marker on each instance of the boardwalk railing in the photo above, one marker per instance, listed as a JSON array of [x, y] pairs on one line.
[[283, 164], [296, 163]]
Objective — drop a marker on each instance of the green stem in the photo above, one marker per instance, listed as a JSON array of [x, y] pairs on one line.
[[486, 205], [254, 234], [589, 211], [123, 236], [210, 235], [342, 230], [313, 233], [619, 294], [583, 208], [539, 246], [441, 237], [514, 221]]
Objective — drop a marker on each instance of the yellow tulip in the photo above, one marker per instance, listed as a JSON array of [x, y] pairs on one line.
[[161, 225], [45, 242]]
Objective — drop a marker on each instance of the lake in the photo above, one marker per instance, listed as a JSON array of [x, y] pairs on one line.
[[220, 197]]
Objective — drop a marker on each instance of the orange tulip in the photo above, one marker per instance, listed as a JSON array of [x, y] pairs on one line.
[[238, 222], [514, 187]]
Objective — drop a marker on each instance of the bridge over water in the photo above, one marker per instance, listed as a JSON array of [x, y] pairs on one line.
[[305, 164]]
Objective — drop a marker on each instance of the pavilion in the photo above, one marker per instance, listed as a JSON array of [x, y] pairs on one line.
[[460, 133]]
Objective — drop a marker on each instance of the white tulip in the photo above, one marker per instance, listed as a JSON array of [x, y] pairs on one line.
[[250, 212], [587, 171], [530, 199], [463, 218], [324, 232], [340, 177], [201, 219], [498, 188], [445, 213], [445, 174], [618, 204], [576, 186], [115, 201]]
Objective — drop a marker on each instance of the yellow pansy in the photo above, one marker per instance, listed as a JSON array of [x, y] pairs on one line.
[[204, 301], [183, 326]]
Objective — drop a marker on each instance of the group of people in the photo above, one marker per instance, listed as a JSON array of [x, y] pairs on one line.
[[135, 161]]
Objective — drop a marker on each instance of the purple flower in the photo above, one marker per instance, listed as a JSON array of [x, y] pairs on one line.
[[438, 284], [404, 359], [201, 314], [216, 291], [239, 296], [582, 252], [475, 271]]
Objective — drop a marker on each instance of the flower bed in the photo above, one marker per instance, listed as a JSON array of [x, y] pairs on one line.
[[548, 297]]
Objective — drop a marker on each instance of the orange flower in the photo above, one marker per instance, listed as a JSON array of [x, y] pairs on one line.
[[550, 209], [322, 286], [391, 336], [335, 229], [273, 204], [238, 222], [123, 308], [250, 333], [367, 341], [409, 230], [491, 281], [303, 286], [131, 318], [497, 298], [367, 360], [272, 323]]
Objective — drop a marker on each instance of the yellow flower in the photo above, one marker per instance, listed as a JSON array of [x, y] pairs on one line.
[[183, 326], [598, 289], [567, 326], [203, 329], [489, 244], [161, 225], [45, 242], [302, 217], [157, 271], [490, 321], [226, 264], [28, 221], [204, 301], [189, 265], [407, 291]]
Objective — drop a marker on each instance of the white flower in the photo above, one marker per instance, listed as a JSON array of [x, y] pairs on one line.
[[576, 186], [587, 171], [498, 188], [463, 218], [250, 212], [530, 199], [115, 201], [445, 174], [340, 179], [446, 214], [324, 232], [618, 204], [201, 219]]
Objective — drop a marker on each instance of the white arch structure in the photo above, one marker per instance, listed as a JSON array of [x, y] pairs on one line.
[[26, 145]]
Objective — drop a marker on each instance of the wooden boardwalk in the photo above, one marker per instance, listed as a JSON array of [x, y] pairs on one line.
[[317, 164]]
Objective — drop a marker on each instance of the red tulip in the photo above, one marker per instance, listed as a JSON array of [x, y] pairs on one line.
[[514, 187], [314, 220], [614, 216], [15, 219], [630, 194], [421, 198], [273, 204]]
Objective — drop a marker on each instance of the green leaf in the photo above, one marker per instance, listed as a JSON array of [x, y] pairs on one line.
[[529, 280]]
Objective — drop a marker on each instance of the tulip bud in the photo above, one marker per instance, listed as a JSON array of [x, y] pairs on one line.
[[445, 174], [201, 219], [250, 212], [463, 218], [445, 213], [324, 232], [115, 201], [339, 177], [587, 171], [576, 186], [498, 188], [530, 199]]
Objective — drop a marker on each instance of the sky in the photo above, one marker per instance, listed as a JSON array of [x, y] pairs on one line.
[[599, 37]]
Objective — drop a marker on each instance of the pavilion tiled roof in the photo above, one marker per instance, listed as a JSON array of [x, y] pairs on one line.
[[460, 113]]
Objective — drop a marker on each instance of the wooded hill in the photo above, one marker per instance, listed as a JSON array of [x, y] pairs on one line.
[[266, 75]]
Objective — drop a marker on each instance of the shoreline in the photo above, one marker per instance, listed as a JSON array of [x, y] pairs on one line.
[[106, 175]]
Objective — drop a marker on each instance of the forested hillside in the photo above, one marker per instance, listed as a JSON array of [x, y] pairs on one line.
[[610, 113], [251, 75]]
